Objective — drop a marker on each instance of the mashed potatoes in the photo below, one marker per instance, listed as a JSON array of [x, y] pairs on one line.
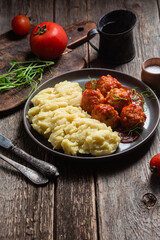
[[58, 116]]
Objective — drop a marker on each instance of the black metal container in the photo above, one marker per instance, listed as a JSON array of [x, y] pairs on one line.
[[116, 45]]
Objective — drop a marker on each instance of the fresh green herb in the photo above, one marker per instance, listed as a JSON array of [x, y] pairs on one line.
[[24, 74], [93, 82], [135, 130], [116, 97], [90, 78], [136, 96], [83, 88], [148, 94]]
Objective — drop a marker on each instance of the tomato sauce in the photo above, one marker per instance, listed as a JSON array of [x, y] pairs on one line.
[[137, 99], [126, 137]]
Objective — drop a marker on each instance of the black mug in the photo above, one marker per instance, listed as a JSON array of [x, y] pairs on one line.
[[116, 44]]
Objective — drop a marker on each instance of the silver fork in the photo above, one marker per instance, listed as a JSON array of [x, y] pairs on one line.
[[33, 176]]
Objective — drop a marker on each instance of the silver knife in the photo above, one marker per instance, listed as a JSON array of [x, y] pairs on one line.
[[45, 168]]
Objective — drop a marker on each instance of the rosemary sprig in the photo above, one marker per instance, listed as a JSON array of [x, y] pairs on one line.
[[24, 74]]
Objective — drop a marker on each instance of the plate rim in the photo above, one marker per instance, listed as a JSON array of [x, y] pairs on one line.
[[106, 157]]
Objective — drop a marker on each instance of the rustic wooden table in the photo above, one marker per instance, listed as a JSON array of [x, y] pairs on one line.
[[88, 201]]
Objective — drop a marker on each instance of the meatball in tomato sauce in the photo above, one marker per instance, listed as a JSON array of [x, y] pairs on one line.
[[107, 114], [132, 116], [92, 85], [106, 83], [90, 98], [118, 98]]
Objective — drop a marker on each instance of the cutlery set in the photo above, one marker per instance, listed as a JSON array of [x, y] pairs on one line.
[[45, 169]]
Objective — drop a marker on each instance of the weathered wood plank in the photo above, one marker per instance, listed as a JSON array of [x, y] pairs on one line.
[[27, 212], [37, 11], [75, 196], [75, 217], [121, 185]]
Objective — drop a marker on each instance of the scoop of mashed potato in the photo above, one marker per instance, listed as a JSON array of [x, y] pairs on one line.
[[63, 94], [77, 133], [57, 115]]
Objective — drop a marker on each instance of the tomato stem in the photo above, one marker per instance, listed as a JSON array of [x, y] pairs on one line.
[[41, 30], [153, 169]]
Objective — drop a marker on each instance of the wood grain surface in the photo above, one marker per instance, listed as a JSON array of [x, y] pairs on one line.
[[15, 47], [117, 200]]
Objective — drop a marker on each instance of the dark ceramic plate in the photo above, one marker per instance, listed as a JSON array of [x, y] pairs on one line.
[[82, 76]]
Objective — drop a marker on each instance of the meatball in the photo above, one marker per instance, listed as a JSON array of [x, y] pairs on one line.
[[91, 85], [132, 116], [106, 83], [90, 98], [107, 114], [118, 98]]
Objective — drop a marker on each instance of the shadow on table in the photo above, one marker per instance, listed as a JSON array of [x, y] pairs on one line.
[[97, 62]]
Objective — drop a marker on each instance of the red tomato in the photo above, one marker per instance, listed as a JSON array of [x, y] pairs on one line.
[[21, 24], [155, 165], [48, 40]]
